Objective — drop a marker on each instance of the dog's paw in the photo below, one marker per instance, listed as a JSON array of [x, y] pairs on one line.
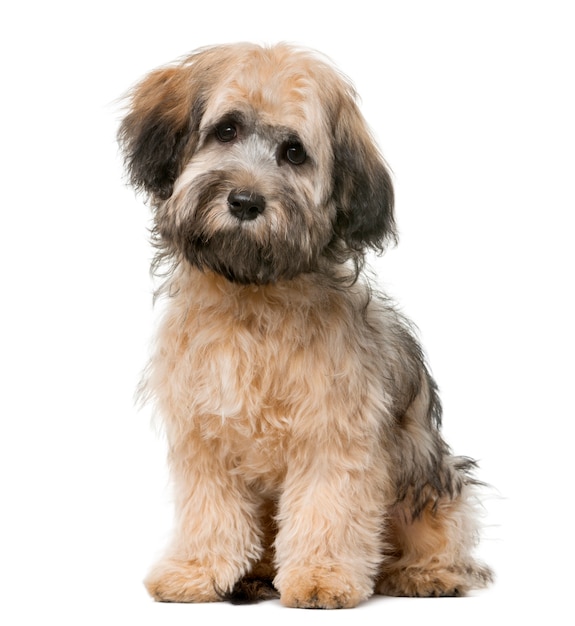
[[322, 588], [172, 580], [420, 583], [434, 583]]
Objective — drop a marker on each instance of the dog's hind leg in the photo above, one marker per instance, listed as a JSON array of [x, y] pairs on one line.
[[432, 527], [430, 554]]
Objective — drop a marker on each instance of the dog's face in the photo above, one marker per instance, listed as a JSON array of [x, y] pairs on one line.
[[257, 162]]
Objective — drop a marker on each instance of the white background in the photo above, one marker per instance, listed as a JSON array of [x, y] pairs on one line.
[[473, 105]]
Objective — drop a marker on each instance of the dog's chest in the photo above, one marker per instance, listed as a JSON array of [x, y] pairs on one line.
[[241, 376], [255, 388], [247, 388]]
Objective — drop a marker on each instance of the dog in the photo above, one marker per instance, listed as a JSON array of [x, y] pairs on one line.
[[302, 420]]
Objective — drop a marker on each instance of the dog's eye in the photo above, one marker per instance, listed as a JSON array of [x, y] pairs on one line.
[[226, 132], [295, 153]]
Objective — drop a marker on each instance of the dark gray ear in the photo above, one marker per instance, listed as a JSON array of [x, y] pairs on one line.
[[156, 132], [363, 191]]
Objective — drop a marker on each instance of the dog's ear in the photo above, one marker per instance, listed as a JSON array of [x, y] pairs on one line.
[[156, 132], [363, 191]]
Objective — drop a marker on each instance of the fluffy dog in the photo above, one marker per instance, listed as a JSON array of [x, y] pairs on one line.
[[302, 421]]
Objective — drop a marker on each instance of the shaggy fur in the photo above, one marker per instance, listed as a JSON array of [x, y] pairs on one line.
[[302, 421]]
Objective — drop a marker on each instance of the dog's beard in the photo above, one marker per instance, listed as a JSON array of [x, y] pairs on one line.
[[277, 245], [241, 260]]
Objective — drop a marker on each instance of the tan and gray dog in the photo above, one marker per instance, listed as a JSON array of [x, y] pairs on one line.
[[303, 424]]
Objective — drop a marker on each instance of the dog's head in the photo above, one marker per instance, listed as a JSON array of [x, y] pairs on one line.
[[258, 163]]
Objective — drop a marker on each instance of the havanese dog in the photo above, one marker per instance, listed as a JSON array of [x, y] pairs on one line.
[[302, 421]]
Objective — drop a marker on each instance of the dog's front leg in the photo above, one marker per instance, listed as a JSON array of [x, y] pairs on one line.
[[329, 542], [216, 535]]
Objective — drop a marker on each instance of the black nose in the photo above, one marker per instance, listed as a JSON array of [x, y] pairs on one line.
[[245, 205]]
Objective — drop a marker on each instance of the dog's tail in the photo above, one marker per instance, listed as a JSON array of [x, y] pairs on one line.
[[251, 589]]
